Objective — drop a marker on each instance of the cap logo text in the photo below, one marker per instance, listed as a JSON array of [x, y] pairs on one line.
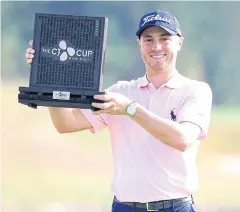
[[157, 18]]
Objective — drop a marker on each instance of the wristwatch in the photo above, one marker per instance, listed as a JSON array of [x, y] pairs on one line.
[[131, 109]]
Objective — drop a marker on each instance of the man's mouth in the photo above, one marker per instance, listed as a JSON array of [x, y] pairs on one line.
[[158, 56]]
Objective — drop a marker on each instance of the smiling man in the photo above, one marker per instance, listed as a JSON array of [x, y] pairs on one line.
[[156, 124]]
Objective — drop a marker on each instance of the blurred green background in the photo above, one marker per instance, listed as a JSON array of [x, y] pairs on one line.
[[43, 171]]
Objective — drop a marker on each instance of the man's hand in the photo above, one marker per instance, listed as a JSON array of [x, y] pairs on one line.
[[114, 104], [30, 53]]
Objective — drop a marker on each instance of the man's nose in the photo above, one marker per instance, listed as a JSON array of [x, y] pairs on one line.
[[156, 46]]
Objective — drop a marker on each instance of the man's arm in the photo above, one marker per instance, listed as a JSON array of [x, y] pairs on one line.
[[67, 120], [192, 118], [177, 135]]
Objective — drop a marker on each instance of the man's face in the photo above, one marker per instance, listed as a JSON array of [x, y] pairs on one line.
[[159, 49]]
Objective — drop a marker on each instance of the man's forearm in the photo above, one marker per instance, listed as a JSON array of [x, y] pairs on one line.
[[67, 120], [167, 131], [60, 117]]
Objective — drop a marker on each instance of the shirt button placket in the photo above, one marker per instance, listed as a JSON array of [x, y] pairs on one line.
[[152, 102], [152, 91]]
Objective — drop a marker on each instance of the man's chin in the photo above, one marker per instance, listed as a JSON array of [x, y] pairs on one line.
[[158, 69], [158, 66]]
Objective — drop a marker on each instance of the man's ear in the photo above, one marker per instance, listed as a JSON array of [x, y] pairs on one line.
[[180, 43], [138, 41]]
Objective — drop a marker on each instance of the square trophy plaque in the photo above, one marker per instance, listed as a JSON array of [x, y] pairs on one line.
[[67, 69]]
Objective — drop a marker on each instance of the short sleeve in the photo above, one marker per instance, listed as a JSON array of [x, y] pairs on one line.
[[97, 121], [102, 121], [197, 108]]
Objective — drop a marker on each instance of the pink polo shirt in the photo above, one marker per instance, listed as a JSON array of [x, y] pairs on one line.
[[145, 169]]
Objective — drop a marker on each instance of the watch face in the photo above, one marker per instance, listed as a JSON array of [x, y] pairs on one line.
[[131, 109]]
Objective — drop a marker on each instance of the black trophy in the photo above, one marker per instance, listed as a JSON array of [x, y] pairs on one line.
[[67, 69]]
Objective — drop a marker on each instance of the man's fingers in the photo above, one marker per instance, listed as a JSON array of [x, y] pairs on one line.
[[29, 56], [105, 98], [29, 61], [103, 106], [30, 51]]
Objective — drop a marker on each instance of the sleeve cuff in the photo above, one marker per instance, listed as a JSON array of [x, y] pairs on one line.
[[96, 120]]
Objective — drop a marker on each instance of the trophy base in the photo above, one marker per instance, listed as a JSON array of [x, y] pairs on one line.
[[34, 97]]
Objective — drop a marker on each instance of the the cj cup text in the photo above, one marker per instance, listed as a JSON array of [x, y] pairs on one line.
[[68, 53], [79, 53]]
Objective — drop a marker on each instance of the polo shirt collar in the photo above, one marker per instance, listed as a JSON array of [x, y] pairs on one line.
[[174, 82]]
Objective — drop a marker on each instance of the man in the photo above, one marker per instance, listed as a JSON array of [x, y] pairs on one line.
[[155, 122]]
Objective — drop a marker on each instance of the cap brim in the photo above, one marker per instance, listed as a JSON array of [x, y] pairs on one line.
[[139, 32]]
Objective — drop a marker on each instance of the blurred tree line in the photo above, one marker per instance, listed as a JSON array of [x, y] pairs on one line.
[[210, 51]]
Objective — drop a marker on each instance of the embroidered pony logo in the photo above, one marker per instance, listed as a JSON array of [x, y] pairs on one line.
[[173, 116]]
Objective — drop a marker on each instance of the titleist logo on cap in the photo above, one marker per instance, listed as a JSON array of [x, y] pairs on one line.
[[157, 18]]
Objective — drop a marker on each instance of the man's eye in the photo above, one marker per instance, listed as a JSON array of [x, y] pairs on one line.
[[148, 40], [166, 39]]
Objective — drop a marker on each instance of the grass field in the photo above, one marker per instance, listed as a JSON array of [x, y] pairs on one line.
[[45, 171]]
